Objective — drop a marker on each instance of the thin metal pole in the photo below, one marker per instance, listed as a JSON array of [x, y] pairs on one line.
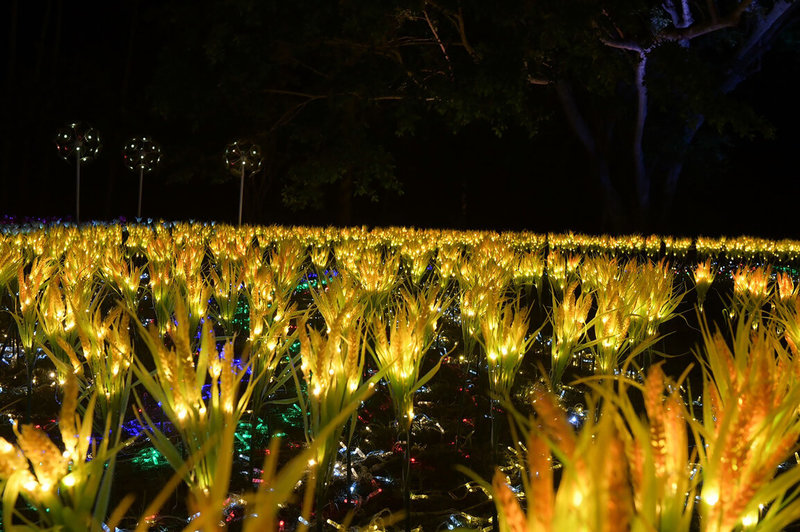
[[407, 479], [141, 178], [78, 188], [493, 436], [241, 197]]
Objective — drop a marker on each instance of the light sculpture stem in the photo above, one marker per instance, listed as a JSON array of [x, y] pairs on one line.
[[141, 178], [78, 188], [241, 197]]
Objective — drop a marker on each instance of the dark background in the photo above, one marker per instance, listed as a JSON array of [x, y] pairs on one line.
[[149, 67]]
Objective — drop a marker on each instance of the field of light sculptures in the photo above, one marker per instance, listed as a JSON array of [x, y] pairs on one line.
[[178, 376]]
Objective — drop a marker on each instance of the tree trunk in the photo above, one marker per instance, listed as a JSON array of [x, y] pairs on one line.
[[761, 39], [613, 213]]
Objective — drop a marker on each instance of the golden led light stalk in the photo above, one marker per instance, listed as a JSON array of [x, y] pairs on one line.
[[176, 383], [402, 338], [703, 276], [74, 293], [68, 486], [750, 424], [506, 339], [569, 320]]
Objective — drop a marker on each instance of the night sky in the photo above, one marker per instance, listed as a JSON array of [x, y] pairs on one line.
[[140, 68]]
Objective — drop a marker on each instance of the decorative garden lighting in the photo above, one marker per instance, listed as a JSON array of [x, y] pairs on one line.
[[81, 141], [242, 159], [141, 154]]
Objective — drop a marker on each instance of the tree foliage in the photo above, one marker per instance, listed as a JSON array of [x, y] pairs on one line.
[[324, 84]]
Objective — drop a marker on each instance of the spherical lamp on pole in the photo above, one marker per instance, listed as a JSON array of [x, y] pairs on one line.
[[81, 141], [141, 155], [242, 158]]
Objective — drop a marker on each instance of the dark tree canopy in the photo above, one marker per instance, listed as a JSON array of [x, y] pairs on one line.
[[619, 104]]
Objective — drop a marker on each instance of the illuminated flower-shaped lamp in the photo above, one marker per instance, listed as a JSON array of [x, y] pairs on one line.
[[141, 154], [242, 159], [82, 142]]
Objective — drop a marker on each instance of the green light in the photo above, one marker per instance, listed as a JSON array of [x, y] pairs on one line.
[[242, 445], [295, 347], [149, 458]]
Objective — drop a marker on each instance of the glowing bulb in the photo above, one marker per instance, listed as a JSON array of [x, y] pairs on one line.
[[577, 498], [711, 498], [750, 519], [68, 481]]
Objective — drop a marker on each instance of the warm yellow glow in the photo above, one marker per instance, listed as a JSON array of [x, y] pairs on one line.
[[577, 498], [69, 481], [750, 519]]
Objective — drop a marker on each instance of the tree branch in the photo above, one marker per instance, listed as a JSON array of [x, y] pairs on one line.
[[623, 45], [438, 41], [463, 34], [296, 93], [713, 12], [579, 125], [716, 24], [642, 182], [539, 81], [584, 134], [754, 47], [457, 19]]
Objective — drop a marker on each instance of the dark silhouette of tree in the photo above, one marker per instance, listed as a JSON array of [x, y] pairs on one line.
[[322, 83], [625, 103]]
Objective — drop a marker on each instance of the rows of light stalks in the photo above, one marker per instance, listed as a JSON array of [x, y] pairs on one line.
[[120, 311]]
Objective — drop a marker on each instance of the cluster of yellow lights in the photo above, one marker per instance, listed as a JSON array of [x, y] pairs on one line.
[[752, 423], [60, 277], [505, 338], [569, 325], [401, 340], [47, 474]]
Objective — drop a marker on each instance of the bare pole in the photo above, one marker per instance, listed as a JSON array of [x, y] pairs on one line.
[[78, 187], [141, 179], [241, 196]]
